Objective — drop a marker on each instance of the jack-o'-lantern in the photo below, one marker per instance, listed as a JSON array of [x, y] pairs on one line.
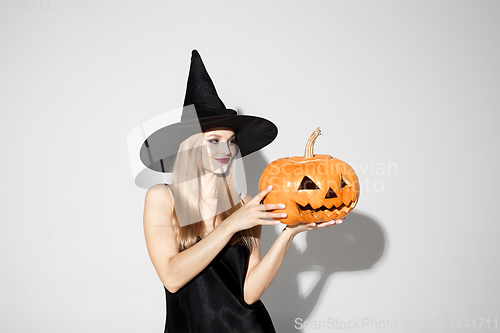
[[314, 188]]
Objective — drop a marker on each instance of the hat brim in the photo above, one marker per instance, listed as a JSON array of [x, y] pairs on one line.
[[159, 150]]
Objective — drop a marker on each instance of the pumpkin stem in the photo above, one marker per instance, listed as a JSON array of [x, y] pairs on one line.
[[310, 143]]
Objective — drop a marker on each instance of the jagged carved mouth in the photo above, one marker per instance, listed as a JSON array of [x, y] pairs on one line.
[[303, 210]]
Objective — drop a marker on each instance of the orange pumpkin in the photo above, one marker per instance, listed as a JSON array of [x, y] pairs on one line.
[[314, 188]]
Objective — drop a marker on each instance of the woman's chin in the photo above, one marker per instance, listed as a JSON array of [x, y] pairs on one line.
[[219, 172]]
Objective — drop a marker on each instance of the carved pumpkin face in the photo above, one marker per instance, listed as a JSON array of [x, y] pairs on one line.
[[314, 189]]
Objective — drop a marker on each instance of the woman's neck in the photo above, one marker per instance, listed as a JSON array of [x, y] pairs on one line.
[[208, 203], [208, 183]]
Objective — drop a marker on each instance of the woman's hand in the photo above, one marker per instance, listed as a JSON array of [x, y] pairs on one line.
[[253, 213], [298, 228]]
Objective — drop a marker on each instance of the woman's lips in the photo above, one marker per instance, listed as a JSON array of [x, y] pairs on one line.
[[222, 160]]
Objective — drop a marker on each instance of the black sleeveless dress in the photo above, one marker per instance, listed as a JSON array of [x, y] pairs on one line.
[[212, 302]]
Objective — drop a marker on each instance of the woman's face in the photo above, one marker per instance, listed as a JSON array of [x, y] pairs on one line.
[[219, 149]]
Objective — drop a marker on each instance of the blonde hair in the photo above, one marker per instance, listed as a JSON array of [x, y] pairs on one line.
[[187, 173]]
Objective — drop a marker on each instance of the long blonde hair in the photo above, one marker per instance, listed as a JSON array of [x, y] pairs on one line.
[[187, 218]]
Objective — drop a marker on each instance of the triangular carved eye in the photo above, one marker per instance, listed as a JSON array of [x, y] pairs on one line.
[[343, 181], [330, 194], [307, 184]]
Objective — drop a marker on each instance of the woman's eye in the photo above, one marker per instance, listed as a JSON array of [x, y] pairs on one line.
[[214, 141]]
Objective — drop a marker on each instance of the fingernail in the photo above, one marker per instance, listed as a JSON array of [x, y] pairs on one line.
[[282, 206], [270, 186], [284, 214]]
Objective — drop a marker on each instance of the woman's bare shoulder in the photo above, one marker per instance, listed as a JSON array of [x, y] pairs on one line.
[[159, 194], [158, 208]]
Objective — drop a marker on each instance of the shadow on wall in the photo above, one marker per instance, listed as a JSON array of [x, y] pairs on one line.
[[356, 244]]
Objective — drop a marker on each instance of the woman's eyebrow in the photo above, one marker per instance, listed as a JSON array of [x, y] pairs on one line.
[[217, 135]]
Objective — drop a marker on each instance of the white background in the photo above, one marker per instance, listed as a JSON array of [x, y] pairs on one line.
[[407, 92]]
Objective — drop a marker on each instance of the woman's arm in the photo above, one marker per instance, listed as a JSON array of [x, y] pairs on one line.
[[176, 269], [173, 268], [261, 273]]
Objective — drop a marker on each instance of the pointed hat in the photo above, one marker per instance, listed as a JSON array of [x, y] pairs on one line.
[[203, 110]]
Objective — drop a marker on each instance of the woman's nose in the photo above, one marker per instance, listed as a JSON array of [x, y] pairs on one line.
[[225, 148]]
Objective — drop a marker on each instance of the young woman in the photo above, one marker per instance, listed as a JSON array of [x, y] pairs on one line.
[[203, 238]]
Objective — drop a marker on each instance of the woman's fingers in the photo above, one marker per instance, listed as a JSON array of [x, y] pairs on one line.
[[329, 223], [325, 224], [272, 206], [262, 194], [269, 222], [275, 215]]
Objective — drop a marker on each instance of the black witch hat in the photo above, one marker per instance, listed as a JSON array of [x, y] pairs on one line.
[[204, 110]]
